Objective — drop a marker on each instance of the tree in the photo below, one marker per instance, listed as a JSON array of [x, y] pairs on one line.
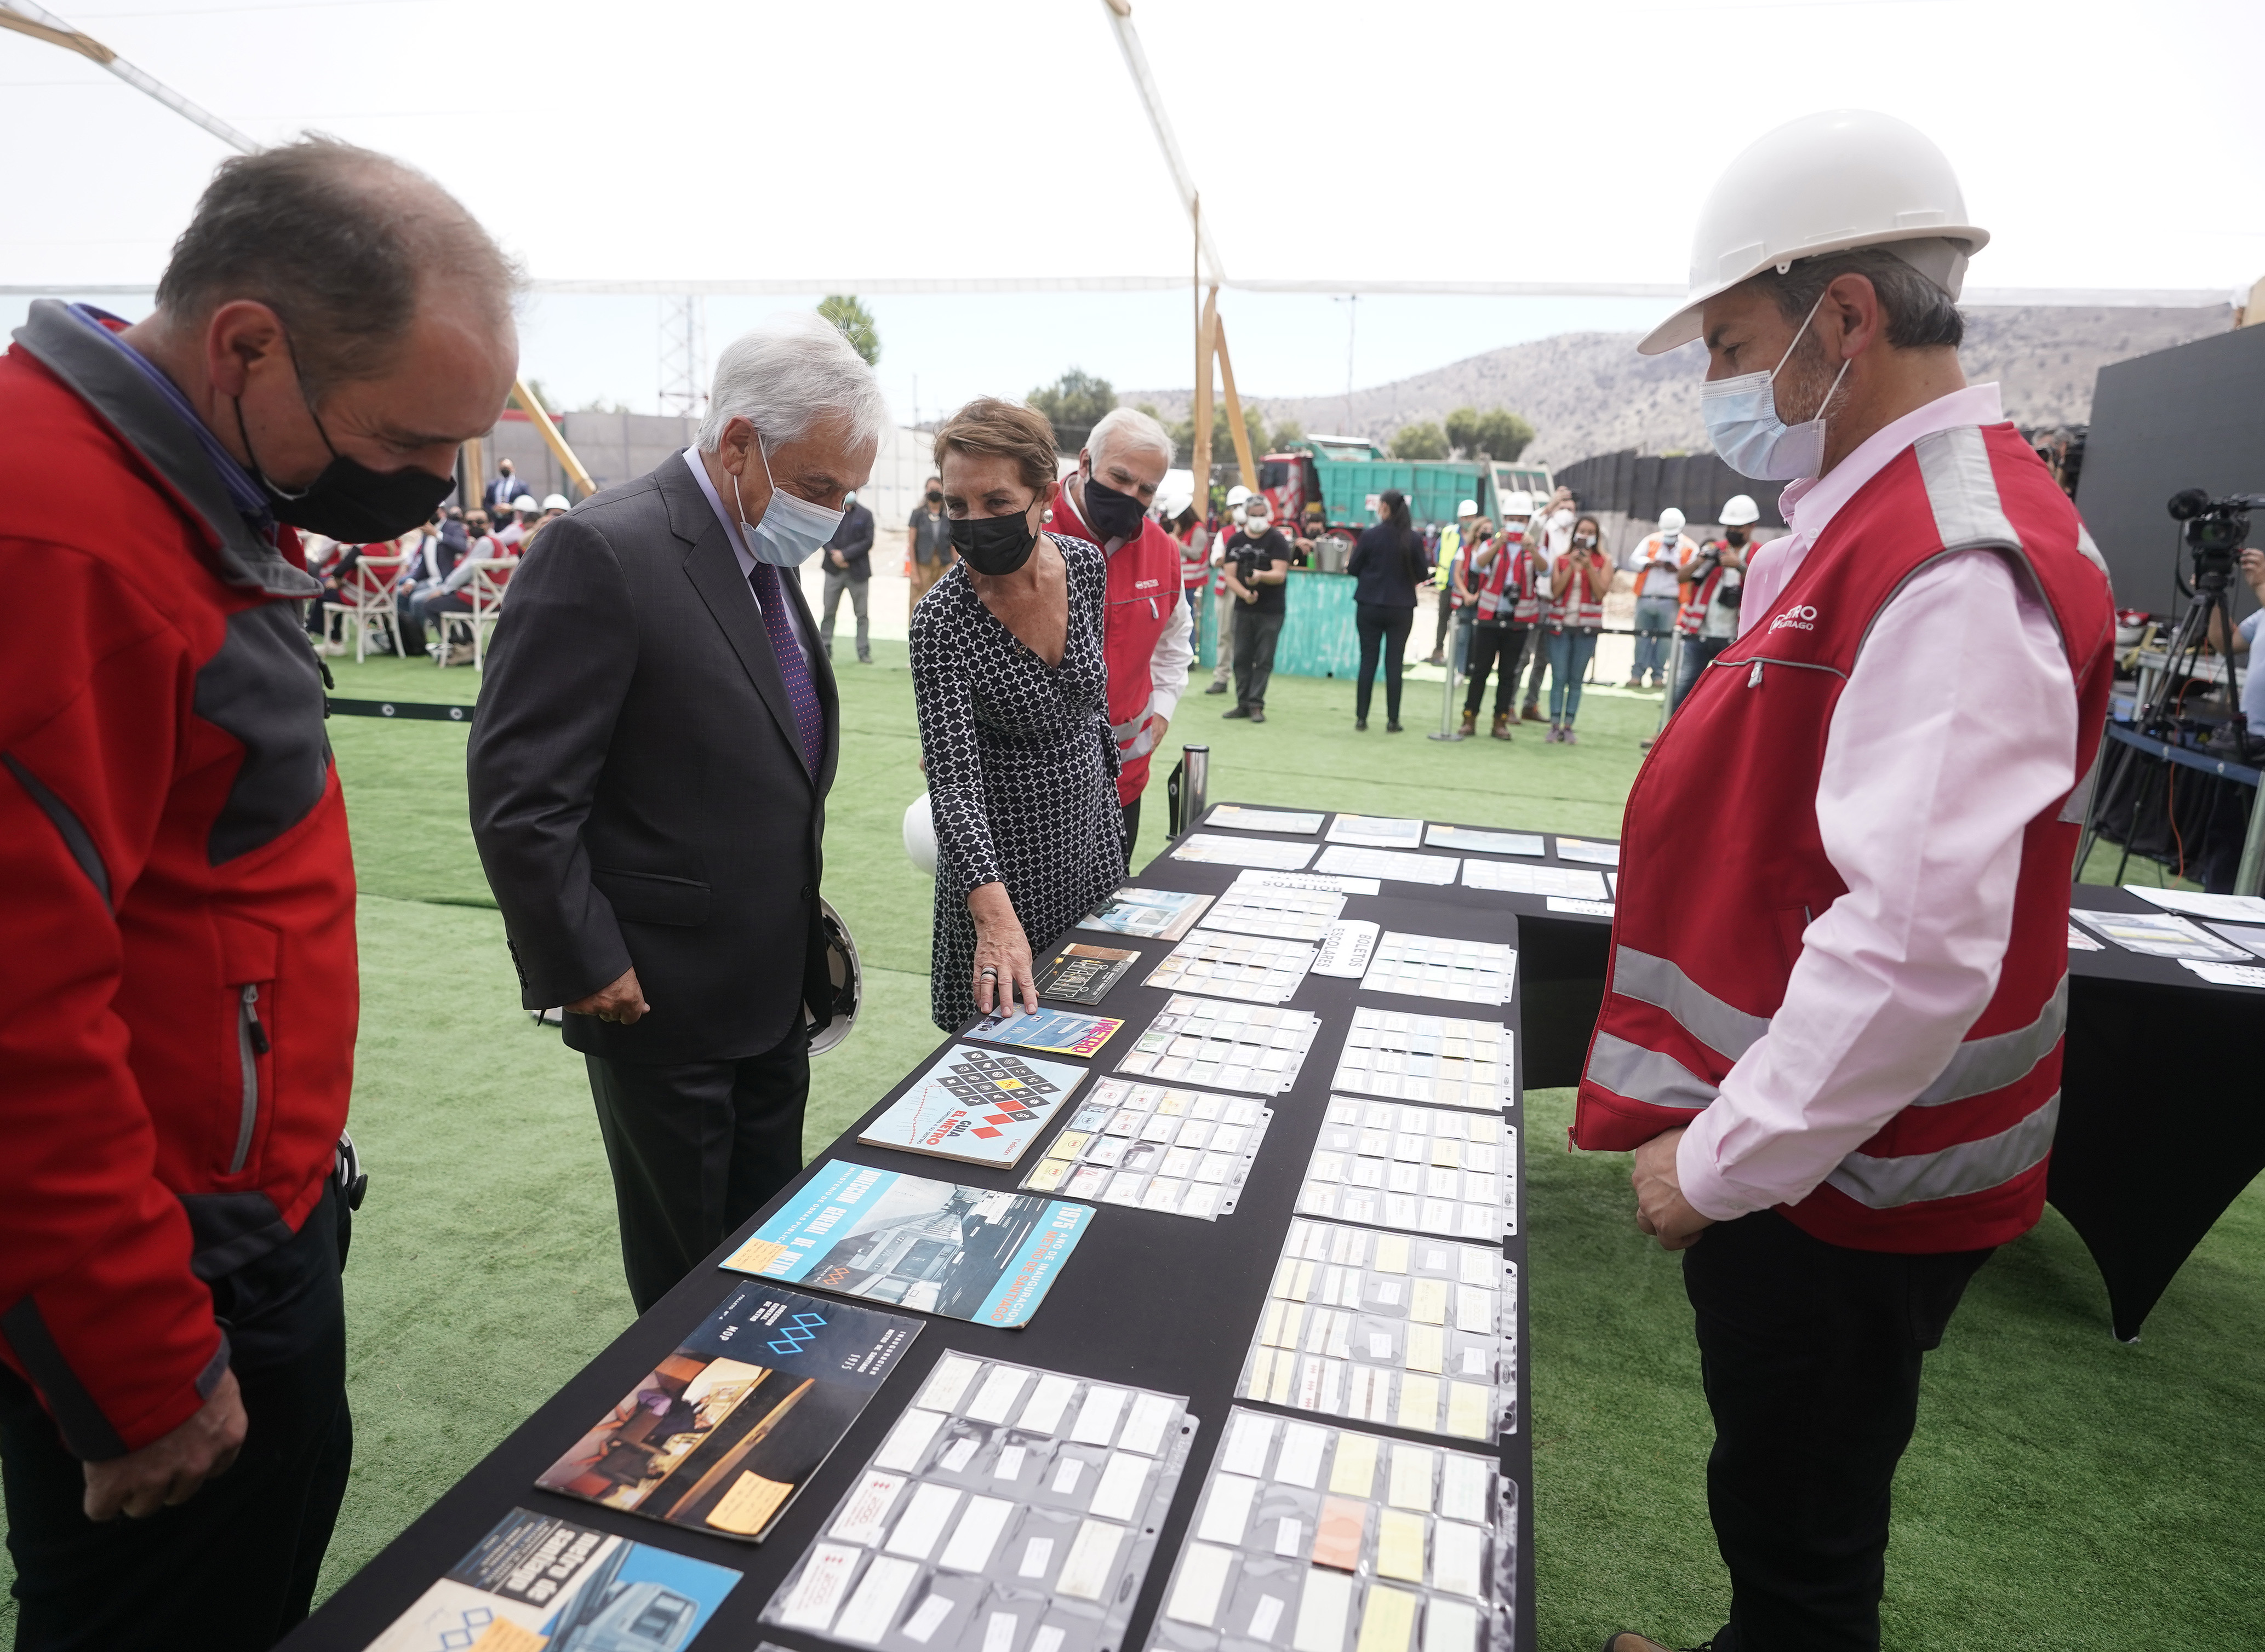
[[1287, 434], [1425, 440], [1075, 402], [855, 322], [1497, 432]]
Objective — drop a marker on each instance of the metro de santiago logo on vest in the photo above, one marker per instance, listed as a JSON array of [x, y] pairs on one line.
[[1797, 618]]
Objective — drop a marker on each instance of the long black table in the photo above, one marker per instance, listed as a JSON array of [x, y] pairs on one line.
[[2160, 1130], [1165, 1302]]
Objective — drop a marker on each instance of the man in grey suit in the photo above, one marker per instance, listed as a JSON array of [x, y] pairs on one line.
[[648, 783]]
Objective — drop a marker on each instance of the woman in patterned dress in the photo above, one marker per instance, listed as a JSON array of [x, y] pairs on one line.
[[1011, 689]]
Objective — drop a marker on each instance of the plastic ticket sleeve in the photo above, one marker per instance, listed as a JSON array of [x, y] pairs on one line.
[[976, 1535], [817, 1593], [1322, 1609], [873, 1607], [1203, 1572], [1227, 1508], [922, 1522], [1092, 1553]]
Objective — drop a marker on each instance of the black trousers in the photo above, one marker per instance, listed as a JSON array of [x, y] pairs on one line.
[[232, 1569], [695, 1150], [1255, 636], [1490, 644], [1383, 631], [1131, 814], [1810, 1354]]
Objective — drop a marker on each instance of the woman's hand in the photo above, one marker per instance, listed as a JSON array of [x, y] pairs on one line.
[[1002, 953]]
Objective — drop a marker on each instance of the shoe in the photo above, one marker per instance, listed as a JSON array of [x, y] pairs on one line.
[[1470, 724], [1635, 683], [864, 659], [1392, 728], [1629, 1640], [1436, 659], [1258, 714], [1234, 711], [1551, 737], [1502, 725], [1217, 687], [1361, 725], [1532, 714], [1566, 738]]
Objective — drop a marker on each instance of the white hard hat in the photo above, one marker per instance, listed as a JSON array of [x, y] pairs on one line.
[[1514, 505], [557, 502], [525, 502], [1670, 521], [1170, 505], [1236, 495], [1738, 510], [1468, 507], [920, 834], [1826, 183]]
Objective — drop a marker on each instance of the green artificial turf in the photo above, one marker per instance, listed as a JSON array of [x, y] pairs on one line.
[[2064, 1490]]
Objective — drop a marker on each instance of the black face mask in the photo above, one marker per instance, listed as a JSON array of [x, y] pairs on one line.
[[935, 498], [350, 501], [1734, 536], [1114, 515], [994, 544]]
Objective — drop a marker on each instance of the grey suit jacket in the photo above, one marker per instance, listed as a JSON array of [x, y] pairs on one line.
[[637, 792]]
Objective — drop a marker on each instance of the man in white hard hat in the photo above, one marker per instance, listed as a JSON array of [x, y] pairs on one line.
[[1713, 585], [1223, 600], [1657, 563], [1838, 1058], [1443, 573]]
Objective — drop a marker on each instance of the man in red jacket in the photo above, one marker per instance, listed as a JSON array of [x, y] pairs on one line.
[[1837, 1056], [177, 1039], [1146, 636]]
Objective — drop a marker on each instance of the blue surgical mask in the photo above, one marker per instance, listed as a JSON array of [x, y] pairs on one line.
[[1742, 422], [791, 528]]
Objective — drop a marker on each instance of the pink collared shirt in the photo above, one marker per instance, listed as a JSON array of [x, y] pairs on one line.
[[1957, 726]]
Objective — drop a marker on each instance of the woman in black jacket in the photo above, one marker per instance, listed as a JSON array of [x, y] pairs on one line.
[[1387, 566]]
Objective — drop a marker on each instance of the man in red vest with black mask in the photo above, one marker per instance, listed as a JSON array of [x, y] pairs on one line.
[[1837, 1055], [1146, 638]]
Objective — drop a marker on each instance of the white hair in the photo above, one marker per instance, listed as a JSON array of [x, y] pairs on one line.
[[1128, 427], [784, 376]]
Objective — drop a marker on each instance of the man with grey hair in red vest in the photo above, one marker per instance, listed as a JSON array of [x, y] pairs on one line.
[[1837, 1056]]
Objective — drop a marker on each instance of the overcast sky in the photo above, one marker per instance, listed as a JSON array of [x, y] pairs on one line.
[[1421, 139]]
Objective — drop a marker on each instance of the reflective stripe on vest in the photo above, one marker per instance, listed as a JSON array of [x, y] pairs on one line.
[[1950, 1173], [1978, 1066]]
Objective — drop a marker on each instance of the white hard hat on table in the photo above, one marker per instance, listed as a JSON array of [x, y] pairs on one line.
[[1671, 521], [1739, 510], [1826, 183]]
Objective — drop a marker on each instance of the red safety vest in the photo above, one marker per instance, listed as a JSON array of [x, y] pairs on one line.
[[1532, 587], [1693, 615], [1194, 564], [1144, 582], [1700, 966], [1578, 610], [1510, 553]]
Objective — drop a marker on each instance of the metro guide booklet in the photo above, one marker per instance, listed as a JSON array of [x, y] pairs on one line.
[[537, 1583], [720, 1435], [961, 1253], [978, 1106]]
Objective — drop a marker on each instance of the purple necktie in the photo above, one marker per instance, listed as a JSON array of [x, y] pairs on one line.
[[801, 692]]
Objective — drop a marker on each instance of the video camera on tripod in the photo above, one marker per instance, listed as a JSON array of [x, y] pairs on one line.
[[2213, 533]]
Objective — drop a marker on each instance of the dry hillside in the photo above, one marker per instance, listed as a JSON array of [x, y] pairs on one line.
[[1591, 393]]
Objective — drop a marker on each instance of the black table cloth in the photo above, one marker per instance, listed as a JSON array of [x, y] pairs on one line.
[[1166, 1302]]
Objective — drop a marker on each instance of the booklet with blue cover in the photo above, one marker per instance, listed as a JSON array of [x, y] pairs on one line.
[[537, 1583], [720, 1435], [961, 1252], [978, 1106]]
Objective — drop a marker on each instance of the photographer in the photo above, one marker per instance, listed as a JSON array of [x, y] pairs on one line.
[[1257, 565], [1713, 581]]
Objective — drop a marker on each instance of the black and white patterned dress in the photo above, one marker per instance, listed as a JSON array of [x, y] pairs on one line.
[[1022, 772]]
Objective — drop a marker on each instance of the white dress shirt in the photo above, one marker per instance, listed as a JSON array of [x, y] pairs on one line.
[[747, 557], [1957, 727]]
